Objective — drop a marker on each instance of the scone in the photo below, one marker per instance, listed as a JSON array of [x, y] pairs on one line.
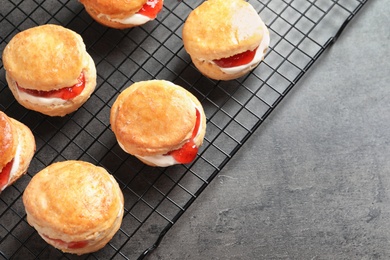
[[17, 147], [225, 39], [121, 14], [75, 206], [160, 123], [49, 70]]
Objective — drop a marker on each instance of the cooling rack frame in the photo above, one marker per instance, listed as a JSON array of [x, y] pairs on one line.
[[155, 198]]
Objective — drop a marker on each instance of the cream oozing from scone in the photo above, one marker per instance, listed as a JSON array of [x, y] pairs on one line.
[[40, 100], [164, 160], [15, 163], [47, 101], [260, 53], [134, 19]]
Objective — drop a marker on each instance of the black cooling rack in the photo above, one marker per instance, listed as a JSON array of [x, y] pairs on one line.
[[155, 198]]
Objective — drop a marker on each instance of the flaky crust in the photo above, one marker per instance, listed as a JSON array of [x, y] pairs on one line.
[[74, 201], [70, 105], [154, 117], [27, 141], [222, 28], [45, 57], [8, 140]]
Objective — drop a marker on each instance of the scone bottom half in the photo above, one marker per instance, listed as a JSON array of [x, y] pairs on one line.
[[48, 69], [225, 39], [75, 206], [159, 122]]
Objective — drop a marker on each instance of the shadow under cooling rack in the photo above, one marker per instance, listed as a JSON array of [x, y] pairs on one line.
[[156, 197]]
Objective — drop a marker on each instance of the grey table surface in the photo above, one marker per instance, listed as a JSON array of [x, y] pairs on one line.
[[313, 182]]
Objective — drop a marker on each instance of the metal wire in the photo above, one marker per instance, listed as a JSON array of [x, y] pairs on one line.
[[155, 198]]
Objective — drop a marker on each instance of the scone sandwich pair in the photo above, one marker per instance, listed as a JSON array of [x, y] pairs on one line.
[[159, 122], [121, 14], [225, 39], [48, 69], [17, 147], [75, 206]]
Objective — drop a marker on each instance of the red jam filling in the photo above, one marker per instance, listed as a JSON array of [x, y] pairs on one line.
[[188, 151], [151, 8], [236, 60], [63, 93], [70, 245], [4, 174]]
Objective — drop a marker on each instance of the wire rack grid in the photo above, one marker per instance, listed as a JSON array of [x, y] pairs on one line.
[[155, 198]]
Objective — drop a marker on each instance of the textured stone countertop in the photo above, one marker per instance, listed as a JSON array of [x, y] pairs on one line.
[[313, 182]]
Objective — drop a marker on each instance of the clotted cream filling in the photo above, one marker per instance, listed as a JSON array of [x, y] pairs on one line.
[[135, 19], [260, 53]]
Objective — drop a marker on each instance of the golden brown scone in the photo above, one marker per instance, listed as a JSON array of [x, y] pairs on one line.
[[153, 118], [46, 59], [17, 147], [119, 14], [75, 206], [221, 29], [8, 142]]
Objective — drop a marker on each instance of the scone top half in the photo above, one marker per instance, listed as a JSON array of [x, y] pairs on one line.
[[155, 117], [45, 58], [75, 206], [222, 28]]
